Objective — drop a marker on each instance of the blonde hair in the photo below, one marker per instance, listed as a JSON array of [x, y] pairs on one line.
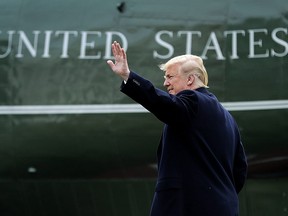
[[188, 64]]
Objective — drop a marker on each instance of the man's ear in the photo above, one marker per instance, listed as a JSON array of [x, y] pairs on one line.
[[190, 80]]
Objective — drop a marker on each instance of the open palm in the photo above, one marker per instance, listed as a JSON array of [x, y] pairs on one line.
[[120, 67]]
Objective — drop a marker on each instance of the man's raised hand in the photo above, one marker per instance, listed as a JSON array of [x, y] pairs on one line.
[[120, 67]]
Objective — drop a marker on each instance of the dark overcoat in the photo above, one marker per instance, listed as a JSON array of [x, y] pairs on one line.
[[201, 161]]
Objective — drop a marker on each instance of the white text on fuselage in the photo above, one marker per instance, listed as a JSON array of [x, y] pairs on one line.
[[258, 43]]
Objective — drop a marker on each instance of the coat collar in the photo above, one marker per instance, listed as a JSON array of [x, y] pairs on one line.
[[203, 90]]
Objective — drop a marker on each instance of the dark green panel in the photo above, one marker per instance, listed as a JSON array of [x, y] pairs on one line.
[[79, 198], [266, 197], [104, 164], [79, 145]]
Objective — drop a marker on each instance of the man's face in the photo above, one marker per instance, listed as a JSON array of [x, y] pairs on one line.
[[174, 80]]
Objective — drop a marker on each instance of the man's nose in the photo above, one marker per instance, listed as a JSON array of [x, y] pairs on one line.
[[166, 83]]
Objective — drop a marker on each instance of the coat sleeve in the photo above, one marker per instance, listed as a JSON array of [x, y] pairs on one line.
[[168, 108], [240, 168]]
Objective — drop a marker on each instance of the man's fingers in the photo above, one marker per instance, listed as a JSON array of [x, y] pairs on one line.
[[114, 49], [123, 53], [111, 64], [117, 49], [120, 67]]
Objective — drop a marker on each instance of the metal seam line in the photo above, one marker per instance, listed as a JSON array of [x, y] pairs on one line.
[[128, 108]]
